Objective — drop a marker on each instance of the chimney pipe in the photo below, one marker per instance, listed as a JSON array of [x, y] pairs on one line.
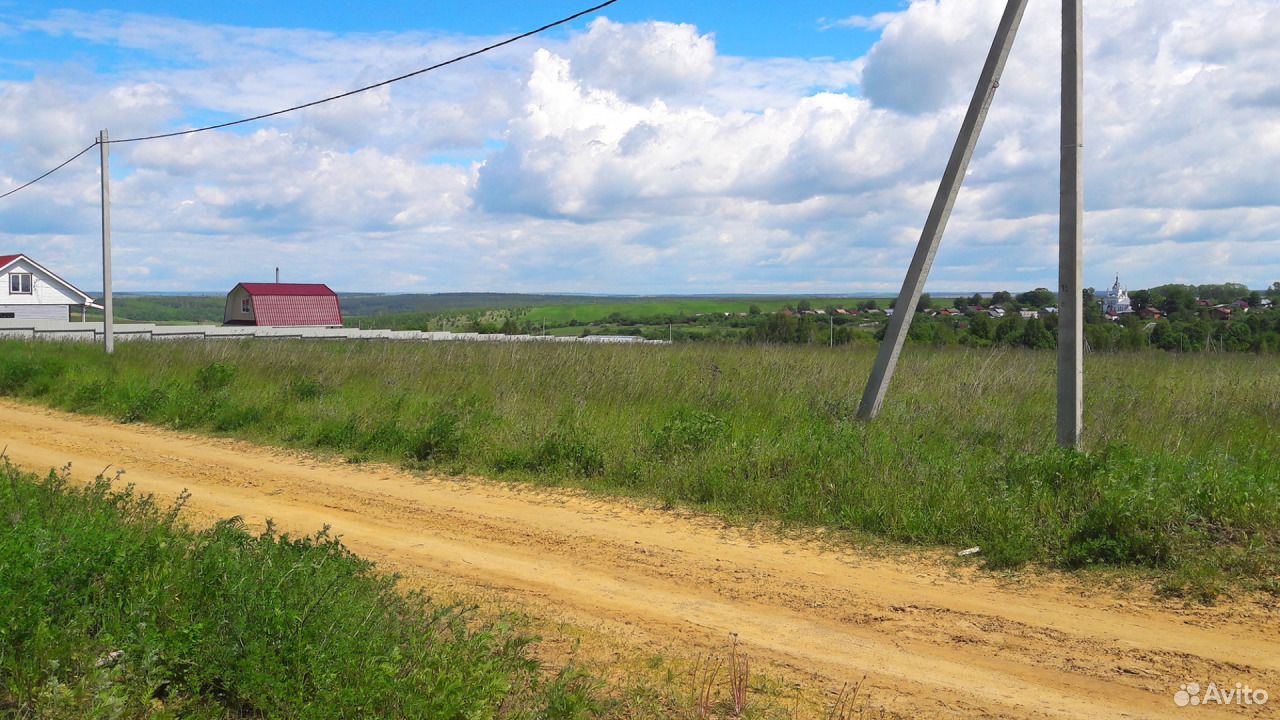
[[277, 276]]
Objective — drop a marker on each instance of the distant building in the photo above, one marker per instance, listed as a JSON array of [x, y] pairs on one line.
[[1029, 314], [1150, 313], [282, 305], [32, 292], [1116, 301]]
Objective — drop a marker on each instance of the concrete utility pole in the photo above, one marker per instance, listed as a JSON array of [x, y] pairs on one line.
[[940, 212], [108, 320], [1070, 225]]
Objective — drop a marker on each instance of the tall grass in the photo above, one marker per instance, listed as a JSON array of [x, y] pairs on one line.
[[1181, 473], [109, 607]]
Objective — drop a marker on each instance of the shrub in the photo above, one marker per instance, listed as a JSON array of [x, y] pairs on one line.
[[215, 376], [686, 429], [440, 438]]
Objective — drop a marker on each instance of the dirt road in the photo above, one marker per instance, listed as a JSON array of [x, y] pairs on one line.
[[934, 637]]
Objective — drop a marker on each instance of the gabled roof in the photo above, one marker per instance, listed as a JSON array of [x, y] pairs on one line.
[[7, 260], [287, 289]]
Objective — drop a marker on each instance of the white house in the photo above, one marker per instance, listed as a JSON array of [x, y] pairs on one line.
[[29, 291]]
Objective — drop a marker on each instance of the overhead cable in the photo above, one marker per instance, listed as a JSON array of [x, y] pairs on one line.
[[349, 93], [65, 163]]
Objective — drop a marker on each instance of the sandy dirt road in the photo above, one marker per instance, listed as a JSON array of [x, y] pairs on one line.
[[934, 638]]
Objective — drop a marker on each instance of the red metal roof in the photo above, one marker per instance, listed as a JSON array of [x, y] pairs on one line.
[[6, 259], [288, 289], [292, 310]]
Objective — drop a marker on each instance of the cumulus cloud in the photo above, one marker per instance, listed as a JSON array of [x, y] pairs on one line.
[[635, 157], [584, 153], [652, 60]]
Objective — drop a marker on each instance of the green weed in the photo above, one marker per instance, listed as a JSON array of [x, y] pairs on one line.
[[1182, 462], [109, 607]]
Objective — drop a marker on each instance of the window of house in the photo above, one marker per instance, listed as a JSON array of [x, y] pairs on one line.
[[20, 283], [244, 306], [6, 316]]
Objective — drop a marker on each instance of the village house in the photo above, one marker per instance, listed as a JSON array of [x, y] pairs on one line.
[[282, 305], [1150, 313], [32, 292], [1029, 314]]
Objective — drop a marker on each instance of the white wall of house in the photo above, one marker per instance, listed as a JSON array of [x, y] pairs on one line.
[[49, 299], [237, 310], [61, 313]]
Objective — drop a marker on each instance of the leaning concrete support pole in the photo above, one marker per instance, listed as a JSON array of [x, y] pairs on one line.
[[1070, 227], [108, 319], [970, 129]]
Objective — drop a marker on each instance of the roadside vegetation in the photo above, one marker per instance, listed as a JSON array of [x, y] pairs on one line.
[[1180, 477], [111, 607]]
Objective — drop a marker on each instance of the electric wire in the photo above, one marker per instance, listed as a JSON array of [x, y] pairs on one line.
[[64, 164], [349, 93]]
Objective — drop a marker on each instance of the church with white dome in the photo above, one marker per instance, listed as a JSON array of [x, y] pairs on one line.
[[1116, 301]]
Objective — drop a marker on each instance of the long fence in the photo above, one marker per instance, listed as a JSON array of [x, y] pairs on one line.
[[92, 332]]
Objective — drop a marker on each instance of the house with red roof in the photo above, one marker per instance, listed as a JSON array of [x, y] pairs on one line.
[[283, 305], [30, 291]]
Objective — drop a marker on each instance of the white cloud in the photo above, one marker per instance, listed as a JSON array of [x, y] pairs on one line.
[[644, 62], [637, 158], [879, 21]]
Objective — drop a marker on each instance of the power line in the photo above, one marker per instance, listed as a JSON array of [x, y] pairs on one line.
[[349, 93], [65, 163]]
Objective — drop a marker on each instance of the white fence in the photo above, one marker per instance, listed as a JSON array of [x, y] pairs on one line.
[[90, 332]]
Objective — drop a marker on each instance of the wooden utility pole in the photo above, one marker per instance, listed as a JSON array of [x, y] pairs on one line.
[[940, 212], [1070, 226], [108, 324]]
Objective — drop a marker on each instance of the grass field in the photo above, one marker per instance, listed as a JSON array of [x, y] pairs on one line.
[[1181, 475], [110, 607]]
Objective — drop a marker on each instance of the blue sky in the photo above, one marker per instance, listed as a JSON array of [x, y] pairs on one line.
[[657, 147], [754, 28]]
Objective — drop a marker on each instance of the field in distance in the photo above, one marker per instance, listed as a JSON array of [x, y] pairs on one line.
[[435, 311]]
